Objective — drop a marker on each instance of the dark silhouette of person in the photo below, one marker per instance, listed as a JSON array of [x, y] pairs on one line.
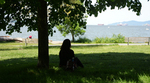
[[66, 53]]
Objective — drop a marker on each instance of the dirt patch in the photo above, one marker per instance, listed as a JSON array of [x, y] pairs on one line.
[[30, 40], [36, 41]]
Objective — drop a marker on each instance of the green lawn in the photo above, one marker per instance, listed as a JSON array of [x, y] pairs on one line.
[[103, 64]]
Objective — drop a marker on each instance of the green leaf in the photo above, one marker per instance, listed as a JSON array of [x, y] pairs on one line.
[[2, 1]]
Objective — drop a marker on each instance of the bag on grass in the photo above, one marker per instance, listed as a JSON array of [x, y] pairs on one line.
[[71, 65]]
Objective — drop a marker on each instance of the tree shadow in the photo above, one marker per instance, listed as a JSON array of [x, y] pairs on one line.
[[110, 66], [16, 48], [8, 49], [98, 67]]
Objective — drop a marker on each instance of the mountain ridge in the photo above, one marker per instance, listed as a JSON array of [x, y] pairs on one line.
[[132, 23]]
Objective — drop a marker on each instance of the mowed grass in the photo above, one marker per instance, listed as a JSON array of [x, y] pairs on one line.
[[102, 64]]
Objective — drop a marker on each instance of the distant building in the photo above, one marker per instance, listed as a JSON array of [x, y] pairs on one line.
[[101, 24], [122, 24], [146, 24]]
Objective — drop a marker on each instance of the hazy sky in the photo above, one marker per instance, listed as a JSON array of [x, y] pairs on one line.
[[115, 15]]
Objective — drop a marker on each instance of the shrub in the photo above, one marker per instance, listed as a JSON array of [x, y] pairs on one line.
[[97, 40], [114, 39], [118, 38], [83, 40]]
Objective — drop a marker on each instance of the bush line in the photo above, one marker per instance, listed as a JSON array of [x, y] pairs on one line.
[[114, 39]]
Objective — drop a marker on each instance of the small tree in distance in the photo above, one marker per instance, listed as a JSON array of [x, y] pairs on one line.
[[69, 27], [71, 23]]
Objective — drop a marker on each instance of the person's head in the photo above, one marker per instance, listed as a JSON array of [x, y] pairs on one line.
[[66, 44]]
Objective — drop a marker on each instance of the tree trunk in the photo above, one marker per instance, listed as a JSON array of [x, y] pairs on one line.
[[43, 51], [72, 33]]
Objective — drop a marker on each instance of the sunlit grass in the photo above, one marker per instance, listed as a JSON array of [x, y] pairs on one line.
[[103, 64]]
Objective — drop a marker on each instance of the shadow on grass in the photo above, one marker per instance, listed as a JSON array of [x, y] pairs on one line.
[[8, 49], [36, 47], [12, 41], [99, 67], [17, 47]]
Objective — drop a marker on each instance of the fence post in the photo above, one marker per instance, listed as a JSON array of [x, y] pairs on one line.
[[25, 41], [148, 40], [128, 40]]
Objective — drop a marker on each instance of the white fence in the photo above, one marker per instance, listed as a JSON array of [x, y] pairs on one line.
[[137, 39]]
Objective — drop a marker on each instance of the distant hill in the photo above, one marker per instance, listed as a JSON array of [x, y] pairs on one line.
[[132, 23]]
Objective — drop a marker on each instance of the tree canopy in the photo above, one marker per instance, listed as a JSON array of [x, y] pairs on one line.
[[24, 12], [43, 15]]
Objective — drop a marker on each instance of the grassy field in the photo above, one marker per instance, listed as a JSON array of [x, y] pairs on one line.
[[103, 64]]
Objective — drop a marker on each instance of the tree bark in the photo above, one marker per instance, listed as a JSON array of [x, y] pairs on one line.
[[72, 33], [43, 51]]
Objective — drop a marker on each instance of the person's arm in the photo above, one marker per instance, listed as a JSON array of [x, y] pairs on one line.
[[72, 53]]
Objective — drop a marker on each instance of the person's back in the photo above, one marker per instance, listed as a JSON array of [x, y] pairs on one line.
[[64, 56]]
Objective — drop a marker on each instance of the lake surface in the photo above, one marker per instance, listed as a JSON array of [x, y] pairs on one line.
[[92, 31]]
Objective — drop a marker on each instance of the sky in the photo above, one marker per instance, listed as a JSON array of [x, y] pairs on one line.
[[111, 16]]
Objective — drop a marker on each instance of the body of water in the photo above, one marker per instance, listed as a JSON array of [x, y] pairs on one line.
[[92, 31]]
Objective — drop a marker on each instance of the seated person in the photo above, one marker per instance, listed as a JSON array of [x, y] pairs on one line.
[[67, 54]]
